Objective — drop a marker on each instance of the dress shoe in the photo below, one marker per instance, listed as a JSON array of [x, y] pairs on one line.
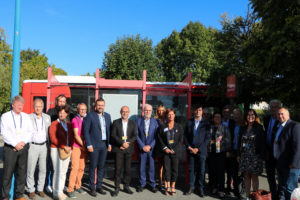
[[31, 195], [139, 189], [80, 191], [93, 193], [101, 191], [189, 192], [153, 189], [201, 193], [221, 195], [41, 194], [127, 190], [116, 192]]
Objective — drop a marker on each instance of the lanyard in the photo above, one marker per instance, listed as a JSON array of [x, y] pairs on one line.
[[36, 124], [15, 121]]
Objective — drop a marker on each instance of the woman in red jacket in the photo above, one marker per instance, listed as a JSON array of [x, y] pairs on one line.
[[62, 138]]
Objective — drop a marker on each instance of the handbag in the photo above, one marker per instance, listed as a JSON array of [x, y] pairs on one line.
[[261, 195], [63, 155]]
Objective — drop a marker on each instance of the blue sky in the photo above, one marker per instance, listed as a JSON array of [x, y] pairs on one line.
[[74, 34]]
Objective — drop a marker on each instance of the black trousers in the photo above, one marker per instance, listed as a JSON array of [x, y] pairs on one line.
[[232, 172], [14, 161], [271, 172], [122, 157], [229, 172], [171, 167], [216, 170]]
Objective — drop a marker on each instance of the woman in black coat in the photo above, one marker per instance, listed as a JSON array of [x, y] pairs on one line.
[[251, 150], [170, 138]]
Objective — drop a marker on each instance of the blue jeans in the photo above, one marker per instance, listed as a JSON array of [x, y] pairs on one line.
[[196, 163], [287, 182]]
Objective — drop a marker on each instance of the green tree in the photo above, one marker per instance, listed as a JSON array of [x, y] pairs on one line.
[[34, 65], [128, 57], [232, 51], [191, 50], [5, 72], [275, 53]]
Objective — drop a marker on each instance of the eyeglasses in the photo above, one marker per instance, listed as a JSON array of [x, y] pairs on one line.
[[82, 109]]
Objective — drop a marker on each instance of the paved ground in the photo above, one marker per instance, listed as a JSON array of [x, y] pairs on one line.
[[145, 195]]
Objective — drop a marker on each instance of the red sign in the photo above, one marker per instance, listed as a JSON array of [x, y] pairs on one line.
[[231, 86]]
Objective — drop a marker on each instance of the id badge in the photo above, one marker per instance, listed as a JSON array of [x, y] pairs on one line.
[[147, 134], [212, 142], [171, 141], [124, 138]]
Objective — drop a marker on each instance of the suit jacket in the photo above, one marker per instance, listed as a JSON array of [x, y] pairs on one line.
[[231, 127], [58, 135], [269, 148], [117, 134], [162, 137], [46, 121], [202, 137], [141, 139], [92, 129], [288, 150]]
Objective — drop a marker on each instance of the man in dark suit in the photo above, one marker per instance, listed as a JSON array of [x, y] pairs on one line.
[[96, 128], [147, 128], [270, 124], [230, 124], [196, 139], [287, 153], [123, 135], [238, 120]]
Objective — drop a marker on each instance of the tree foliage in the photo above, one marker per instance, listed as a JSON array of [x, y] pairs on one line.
[[33, 65], [128, 57], [275, 52], [191, 50], [232, 53]]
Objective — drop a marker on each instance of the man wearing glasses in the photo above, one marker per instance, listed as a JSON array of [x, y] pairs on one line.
[[78, 152], [147, 128]]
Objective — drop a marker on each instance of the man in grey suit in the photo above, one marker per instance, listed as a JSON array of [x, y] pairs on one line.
[[38, 149]]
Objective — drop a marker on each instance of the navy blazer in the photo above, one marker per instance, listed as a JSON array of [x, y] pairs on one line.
[[289, 146], [269, 148], [141, 135], [92, 129], [201, 139]]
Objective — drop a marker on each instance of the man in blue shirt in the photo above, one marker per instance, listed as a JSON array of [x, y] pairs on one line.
[[270, 124], [287, 152]]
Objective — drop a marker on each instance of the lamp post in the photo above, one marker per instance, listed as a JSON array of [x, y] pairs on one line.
[[15, 77]]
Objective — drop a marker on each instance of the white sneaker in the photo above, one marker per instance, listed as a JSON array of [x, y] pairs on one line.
[[62, 196], [49, 189]]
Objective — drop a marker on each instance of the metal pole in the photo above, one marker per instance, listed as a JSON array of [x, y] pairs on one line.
[[15, 77]]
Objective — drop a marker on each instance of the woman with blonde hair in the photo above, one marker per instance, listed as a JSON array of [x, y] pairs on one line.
[[160, 116]]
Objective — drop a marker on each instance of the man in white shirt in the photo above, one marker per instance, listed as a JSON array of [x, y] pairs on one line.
[[16, 130], [123, 135], [38, 149]]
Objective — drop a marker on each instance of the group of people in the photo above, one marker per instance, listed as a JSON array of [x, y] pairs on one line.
[[227, 146]]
